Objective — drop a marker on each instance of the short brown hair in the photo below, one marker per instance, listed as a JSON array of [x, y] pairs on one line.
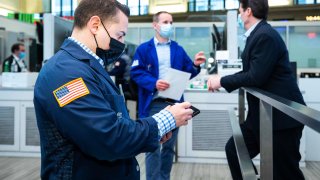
[[156, 16], [260, 8], [16, 47], [105, 9]]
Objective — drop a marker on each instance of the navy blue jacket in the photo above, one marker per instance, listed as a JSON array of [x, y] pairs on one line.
[[92, 137], [146, 73], [266, 66]]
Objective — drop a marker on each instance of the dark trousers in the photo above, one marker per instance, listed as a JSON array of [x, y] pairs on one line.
[[286, 155], [159, 162]]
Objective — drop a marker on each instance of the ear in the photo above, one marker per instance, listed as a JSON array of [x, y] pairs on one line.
[[249, 11], [93, 24], [154, 25]]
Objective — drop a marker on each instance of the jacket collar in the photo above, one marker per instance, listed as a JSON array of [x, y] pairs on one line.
[[79, 53], [262, 22], [249, 31], [153, 52]]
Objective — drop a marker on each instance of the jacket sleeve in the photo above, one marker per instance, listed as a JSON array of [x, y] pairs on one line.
[[263, 58], [139, 71], [91, 123], [188, 65]]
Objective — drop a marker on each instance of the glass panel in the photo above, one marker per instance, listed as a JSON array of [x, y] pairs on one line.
[[194, 39], [74, 5], [241, 40], [144, 5], [232, 4], [146, 34], [202, 5], [217, 4], [306, 1], [56, 5], [132, 36], [191, 6], [134, 7], [304, 46], [66, 8], [282, 30]]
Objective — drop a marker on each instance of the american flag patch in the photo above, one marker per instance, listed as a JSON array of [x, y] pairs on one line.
[[70, 92]]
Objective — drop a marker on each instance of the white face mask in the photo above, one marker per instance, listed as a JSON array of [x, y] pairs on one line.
[[166, 30]]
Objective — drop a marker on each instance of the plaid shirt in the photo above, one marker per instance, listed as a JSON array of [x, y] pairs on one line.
[[84, 47]]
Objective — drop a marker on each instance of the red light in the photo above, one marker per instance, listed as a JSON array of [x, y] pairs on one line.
[[312, 35]]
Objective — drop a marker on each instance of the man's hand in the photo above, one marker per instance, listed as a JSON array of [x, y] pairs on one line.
[[181, 113], [214, 83], [199, 58], [166, 137], [162, 85]]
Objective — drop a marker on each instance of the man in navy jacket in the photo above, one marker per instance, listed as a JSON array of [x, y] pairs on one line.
[[84, 126], [265, 66], [151, 61]]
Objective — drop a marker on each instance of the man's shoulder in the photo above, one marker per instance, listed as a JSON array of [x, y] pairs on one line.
[[8, 58], [59, 70], [265, 31], [63, 63], [175, 43], [266, 28], [177, 46]]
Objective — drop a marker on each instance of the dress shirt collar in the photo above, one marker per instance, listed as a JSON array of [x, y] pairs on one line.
[[84, 47], [156, 42], [249, 31], [15, 57]]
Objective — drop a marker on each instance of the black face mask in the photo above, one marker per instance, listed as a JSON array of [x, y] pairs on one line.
[[111, 55]]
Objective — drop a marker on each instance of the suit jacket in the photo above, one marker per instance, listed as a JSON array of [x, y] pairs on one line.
[[145, 70], [10, 60], [92, 137], [266, 66]]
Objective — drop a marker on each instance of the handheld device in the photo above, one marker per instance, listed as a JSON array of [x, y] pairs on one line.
[[196, 111]]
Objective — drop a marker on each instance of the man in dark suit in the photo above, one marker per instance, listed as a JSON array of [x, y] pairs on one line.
[[265, 66], [15, 62]]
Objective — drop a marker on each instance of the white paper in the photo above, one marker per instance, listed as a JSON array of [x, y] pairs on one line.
[[178, 81]]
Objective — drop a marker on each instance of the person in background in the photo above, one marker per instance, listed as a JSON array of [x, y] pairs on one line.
[[15, 62], [151, 62], [119, 68], [265, 66], [85, 129]]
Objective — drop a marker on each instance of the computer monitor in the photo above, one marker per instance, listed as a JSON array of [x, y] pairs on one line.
[[216, 39]]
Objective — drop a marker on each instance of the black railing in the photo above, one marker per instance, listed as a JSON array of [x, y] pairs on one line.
[[268, 101]]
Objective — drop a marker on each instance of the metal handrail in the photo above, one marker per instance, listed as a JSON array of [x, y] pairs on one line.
[[268, 101], [299, 112], [247, 169]]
